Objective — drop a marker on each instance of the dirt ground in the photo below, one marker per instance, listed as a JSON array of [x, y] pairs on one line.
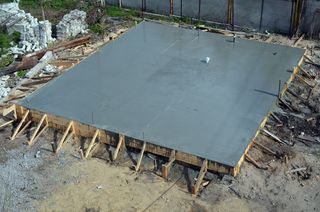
[[33, 178]]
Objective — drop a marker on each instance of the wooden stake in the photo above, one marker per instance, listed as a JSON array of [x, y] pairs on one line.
[[141, 156], [6, 123], [23, 129], [254, 162], [62, 140], [166, 167], [202, 173], [305, 72], [121, 140], [92, 143], [266, 149], [20, 125], [304, 81], [35, 136]]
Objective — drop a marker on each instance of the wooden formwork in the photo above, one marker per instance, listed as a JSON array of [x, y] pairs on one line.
[[83, 130]]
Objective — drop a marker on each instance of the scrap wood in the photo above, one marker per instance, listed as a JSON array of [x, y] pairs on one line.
[[305, 81], [254, 162], [277, 138], [15, 97], [30, 60], [296, 170], [308, 138], [295, 44], [303, 173], [37, 82]]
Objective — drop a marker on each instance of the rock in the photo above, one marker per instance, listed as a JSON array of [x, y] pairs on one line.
[[34, 34], [72, 24]]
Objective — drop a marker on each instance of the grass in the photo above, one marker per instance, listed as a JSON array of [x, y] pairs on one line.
[[22, 73], [5, 61], [114, 11]]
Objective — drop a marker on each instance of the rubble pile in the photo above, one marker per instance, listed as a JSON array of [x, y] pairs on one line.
[[72, 24], [4, 88], [34, 34]]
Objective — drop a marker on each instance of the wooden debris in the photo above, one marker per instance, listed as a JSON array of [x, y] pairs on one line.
[[254, 162], [137, 167], [285, 104], [296, 170], [276, 138], [304, 81], [202, 173], [166, 167]]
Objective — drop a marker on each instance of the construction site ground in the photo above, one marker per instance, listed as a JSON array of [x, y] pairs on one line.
[[34, 178]]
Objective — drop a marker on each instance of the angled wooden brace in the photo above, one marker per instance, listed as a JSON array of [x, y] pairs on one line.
[[137, 167], [23, 129], [63, 139], [166, 167], [92, 143], [10, 109], [202, 173], [6, 123], [36, 135], [20, 125], [120, 143]]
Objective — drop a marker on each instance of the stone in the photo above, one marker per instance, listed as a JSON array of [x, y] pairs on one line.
[[72, 24]]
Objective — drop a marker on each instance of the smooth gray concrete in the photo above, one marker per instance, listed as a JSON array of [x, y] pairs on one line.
[[152, 84]]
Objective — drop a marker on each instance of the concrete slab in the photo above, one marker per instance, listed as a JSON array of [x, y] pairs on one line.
[[153, 84]]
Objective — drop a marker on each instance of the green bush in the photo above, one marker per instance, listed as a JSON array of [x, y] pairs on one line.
[[97, 28], [114, 11], [21, 73]]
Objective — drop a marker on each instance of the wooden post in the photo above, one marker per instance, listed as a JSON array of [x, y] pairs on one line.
[[35, 135], [10, 109], [201, 175], [141, 156], [62, 140], [171, 7], [121, 140], [92, 143], [20, 125], [166, 167]]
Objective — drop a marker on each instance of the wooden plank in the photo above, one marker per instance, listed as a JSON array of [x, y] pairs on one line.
[[91, 143], [295, 44], [121, 140], [6, 123], [202, 173], [166, 167], [24, 128], [19, 125], [141, 156], [37, 129], [62, 140], [38, 135]]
